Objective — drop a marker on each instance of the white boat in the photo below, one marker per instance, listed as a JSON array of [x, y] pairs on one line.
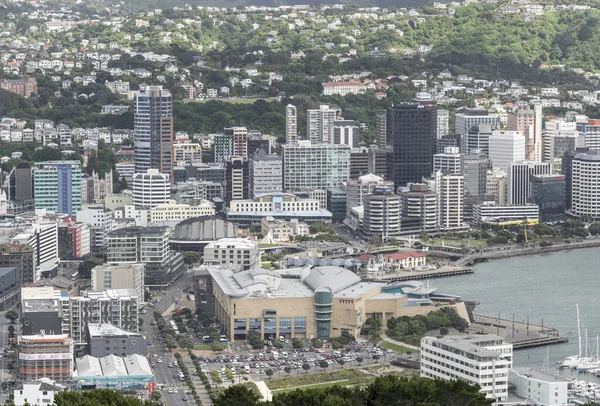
[[574, 360]]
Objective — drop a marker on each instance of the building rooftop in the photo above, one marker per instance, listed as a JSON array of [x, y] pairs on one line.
[[111, 365], [473, 343], [238, 243], [540, 375], [106, 329]]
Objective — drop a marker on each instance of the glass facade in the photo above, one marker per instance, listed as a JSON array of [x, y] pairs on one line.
[[323, 304], [285, 325], [255, 324], [239, 327], [270, 328], [299, 324]]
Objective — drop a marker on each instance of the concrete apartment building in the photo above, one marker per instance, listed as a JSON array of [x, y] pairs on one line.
[[237, 252], [148, 245], [319, 124], [119, 276], [100, 223], [482, 360]]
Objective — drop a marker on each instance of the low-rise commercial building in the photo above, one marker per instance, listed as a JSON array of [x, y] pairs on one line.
[[491, 213], [482, 360], [541, 388], [406, 260], [112, 372], [284, 206], [173, 211], [233, 251], [105, 339], [305, 302], [280, 231]]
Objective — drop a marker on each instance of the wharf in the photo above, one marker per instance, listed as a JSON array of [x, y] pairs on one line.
[[520, 334], [414, 275]]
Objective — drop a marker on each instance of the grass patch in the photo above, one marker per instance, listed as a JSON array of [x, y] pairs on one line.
[[265, 245], [346, 382], [203, 347], [266, 265], [314, 379], [396, 347]]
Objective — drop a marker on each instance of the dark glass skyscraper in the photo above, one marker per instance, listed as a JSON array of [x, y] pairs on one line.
[[412, 129], [153, 131]]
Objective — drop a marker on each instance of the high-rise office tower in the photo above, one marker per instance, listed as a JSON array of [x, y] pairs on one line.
[[471, 117], [448, 161], [449, 189], [345, 132], [381, 129], [537, 128], [474, 167], [291, 124], [519, 180], [506, 147], [239, 140], [477, 138], [319, 123], [57, 186], [412, 129], [153, 131], [524, 121]]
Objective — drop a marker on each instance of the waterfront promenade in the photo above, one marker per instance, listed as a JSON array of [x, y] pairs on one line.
[[504, 252]]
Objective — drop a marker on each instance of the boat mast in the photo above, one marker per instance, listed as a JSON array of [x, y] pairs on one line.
[[578, 329]]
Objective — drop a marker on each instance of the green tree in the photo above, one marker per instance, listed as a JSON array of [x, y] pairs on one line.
[[278, 344], [191, 257], [306, 367], [594, 228], [218, 347], [297, 343], [156, 396], [287, 369], [46, 154], [341, 362], [85, 268], [237, 395], [254, 339], [12, 316], [359, 360], [323, 364], [269, 372], [98, 397]]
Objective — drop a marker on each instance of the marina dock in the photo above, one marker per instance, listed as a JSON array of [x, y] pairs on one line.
[[519, 333], [415, 275]]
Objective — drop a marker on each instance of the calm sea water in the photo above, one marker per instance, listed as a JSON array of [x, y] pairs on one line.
[[542, 287]]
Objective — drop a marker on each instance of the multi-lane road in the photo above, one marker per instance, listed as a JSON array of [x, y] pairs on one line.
[[163, 375]]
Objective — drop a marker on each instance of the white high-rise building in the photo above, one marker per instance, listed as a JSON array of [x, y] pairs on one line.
[[309, 166], [265, 173], [358, 189], [448, 161], [151, 188], [443, 123], [319, 123], [506, 147], [482, 360], [519, 180], [585, 186], [291, 124], [560, 136], [537, 141], [450, 189]]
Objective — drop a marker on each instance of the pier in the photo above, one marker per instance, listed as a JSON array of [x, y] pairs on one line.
[[519, 333], [415, 275]]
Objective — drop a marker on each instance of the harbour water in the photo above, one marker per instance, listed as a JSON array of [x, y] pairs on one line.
[[540, 287]]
